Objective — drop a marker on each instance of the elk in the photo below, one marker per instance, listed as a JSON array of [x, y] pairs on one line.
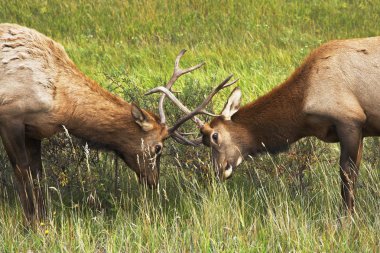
[[334, 95], [42, 92]]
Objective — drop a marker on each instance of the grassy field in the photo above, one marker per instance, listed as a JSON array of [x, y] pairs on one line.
[[289, 202]]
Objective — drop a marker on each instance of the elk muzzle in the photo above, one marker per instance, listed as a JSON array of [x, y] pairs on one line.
[[151, 174], [225, 170]]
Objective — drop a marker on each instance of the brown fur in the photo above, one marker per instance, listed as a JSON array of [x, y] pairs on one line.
[[42, 92], [334, 95]]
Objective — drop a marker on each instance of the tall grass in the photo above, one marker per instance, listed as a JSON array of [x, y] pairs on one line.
[[263, 213], [289, 202]]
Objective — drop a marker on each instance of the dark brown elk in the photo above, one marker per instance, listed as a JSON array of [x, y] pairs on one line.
[[334, 95], [42, 92]]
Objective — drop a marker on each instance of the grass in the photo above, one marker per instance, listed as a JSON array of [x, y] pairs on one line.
[[128, 47]]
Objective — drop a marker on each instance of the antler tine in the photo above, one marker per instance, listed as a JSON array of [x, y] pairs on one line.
[[200, 108], [176, 74], [178, 71]]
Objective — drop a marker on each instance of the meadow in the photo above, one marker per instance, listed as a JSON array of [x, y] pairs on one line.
[[285, 203]]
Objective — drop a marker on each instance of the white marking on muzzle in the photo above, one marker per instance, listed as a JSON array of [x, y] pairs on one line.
[[228, 171]]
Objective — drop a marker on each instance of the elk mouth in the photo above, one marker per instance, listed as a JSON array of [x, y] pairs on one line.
[[228, 171]]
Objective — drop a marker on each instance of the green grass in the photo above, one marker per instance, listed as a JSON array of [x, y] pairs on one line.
[[129, 47]]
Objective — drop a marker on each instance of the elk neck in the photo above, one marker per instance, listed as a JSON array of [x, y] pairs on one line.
[[275, 120], [95, 115]]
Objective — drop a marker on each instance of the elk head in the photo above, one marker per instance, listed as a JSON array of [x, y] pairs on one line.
[[229, 140], [144, 156]]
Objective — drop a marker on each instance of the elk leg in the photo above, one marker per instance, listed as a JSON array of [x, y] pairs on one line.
[[351, 145], [13, 136], [33, 147]]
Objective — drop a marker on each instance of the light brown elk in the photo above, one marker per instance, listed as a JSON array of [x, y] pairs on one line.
[[42, 91], [334, 95]]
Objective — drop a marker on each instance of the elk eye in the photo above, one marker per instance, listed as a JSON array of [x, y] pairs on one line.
[[215, 137], [157, 149]]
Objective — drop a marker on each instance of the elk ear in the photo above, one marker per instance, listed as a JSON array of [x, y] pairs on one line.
[[232, 105], [141, 118]]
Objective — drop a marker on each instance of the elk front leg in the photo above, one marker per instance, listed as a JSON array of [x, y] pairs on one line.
[[23, 156], [351, 145]]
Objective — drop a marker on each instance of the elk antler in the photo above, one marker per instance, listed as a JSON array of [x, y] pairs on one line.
[[176, 74], [199, 110], [179, 137]]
